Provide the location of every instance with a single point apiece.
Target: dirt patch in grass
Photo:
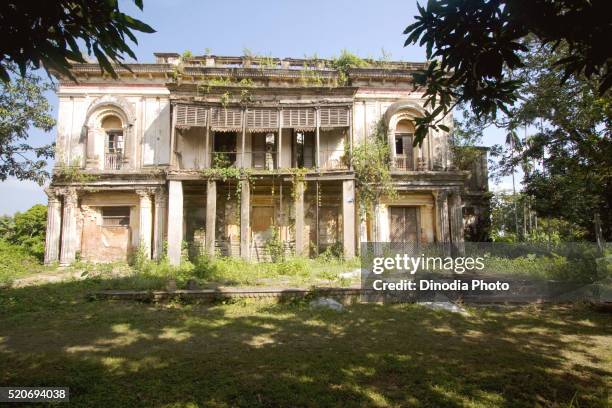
(265, 354)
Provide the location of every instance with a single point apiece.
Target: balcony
(112, 161)
(260, 160)
(406, 163)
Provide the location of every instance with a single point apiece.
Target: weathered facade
(228, 153)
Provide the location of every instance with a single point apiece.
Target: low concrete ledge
(224, 293)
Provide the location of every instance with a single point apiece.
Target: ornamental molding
(116, 104)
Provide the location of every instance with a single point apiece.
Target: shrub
(27, 230)
(15, 261)
(293, 267)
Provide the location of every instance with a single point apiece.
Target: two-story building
(228, 153)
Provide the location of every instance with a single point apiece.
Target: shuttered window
(334, 117)
(226, 119)
(262, 119)
(191, 116)
(299, 118)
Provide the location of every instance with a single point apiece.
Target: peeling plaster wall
(107, 244)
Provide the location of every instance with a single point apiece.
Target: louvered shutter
(262, 120)
(299, 118)
(191, 116)
(226, 119)
(309, 150)
(334, 116)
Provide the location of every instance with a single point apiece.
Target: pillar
(317, 133)
(245, 221)
(128, 146)
(442, 223)
(92, 160)
(175, 221)
(300, 249)
(211, 216)
(159, 224)
(69, 227)
(54, 225)
(145, 222)
(348, 218)
(456, 222)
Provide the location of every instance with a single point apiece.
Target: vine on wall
(371, 161)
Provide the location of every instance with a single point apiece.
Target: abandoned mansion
(224, 155)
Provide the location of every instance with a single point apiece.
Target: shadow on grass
(264, 354)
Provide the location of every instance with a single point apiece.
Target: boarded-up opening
(404, 224)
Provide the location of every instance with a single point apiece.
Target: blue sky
(280, 28)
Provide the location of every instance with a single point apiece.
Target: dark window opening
(224, 149)
(114, 149)
(115, 216)
(304, 149)
(404, 151)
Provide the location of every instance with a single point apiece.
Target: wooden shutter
(404, 224)
(408, 151)
(191, 116)
(308, 151)
(299, 118)
(334, 117)
(262, 119)
(226, 119)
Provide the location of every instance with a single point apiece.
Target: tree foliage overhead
(23, 105)
(47, 34)
(475, 45)
(566, 157)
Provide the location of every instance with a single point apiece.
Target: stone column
(348, 218)
(175, 221)
(245, 219)
(456, 222)
(159, 225)
(317, 137)
(442, 223)
(69, 227)
(145, 225)
(211, 216)
(54, 225)
(300, 249)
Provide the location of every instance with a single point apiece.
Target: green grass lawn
(266, 354)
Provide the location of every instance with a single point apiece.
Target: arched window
(404, 152)
(114, 142)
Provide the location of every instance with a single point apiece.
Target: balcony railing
(404, 162)
(266, 160)
(263, 160)
(112, 161)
